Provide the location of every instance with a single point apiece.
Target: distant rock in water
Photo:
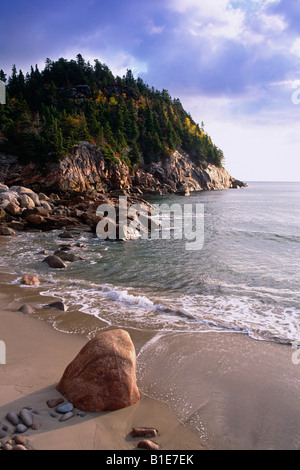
(102, 376)
(54, 262)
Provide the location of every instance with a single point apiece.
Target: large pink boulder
(102, 376)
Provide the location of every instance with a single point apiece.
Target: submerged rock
(102, 376)
(54, 262)
(71, 257)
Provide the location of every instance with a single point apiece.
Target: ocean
(245, 277)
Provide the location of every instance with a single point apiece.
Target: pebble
(53, 415)
(26, 309)
(2, 433)
(12, 418)
(19, 447)
(20, 440)
(67, 416)
(36, 426)
(53, 402)
(65, 408)
(26, 417)
(21, 428)
(148, 445)
(7, 446)
(144, 432)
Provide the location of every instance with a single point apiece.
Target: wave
(130, 308)
(265, 235)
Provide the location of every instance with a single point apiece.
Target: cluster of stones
(23, 209)
(22, 422)
(64, 409)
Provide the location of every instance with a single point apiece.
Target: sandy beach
(36, 356)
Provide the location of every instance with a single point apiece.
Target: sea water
(245, 278)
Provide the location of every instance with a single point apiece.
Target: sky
(234, 64)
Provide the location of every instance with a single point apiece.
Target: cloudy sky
(234, 64)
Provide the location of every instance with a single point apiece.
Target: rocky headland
(86, 170)
(66, 194)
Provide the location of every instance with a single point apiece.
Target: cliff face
(85, 169)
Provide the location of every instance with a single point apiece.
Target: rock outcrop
(102, 376)
(85, 170)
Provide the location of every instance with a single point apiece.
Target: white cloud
(154, 29)
(118, 62)
(295, 49)
(247, 22)
(214, 18)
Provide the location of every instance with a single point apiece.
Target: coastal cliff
(85, 170)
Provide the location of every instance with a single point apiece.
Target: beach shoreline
(36, 356)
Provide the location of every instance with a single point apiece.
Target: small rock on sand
(19, 447)
(65, 408)
(12, 418)
(26, 309)
(36, 426)
(21, 428)
(53, 402)
(148, 445)
(67, 416)
(144, 432)
(20, 440)
(26, 417)
(30, 281)
(2, 433)
(7, 446)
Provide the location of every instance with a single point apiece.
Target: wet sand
(236, 392)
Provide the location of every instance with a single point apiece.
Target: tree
(134, 154)
(2, 76)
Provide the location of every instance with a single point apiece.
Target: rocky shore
(21, 209)
(66, 194)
